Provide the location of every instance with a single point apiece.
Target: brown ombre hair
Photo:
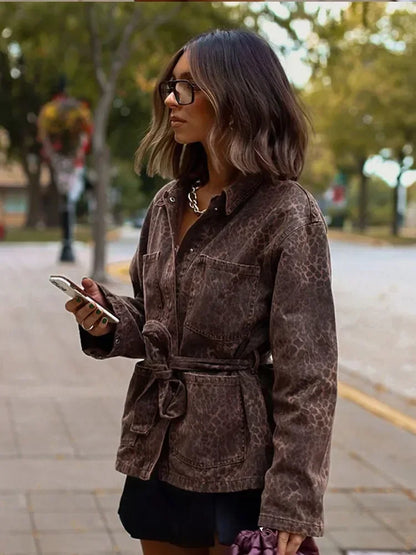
(259, 124)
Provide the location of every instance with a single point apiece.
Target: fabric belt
(171, 392)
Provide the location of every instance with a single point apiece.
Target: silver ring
(86, 329)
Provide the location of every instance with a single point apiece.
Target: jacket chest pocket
(153, 300)
(212, 432)
(222, 297)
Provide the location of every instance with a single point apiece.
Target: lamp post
(64, 130)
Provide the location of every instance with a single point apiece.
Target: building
(14, 193)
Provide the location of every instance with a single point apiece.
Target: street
(60, 410)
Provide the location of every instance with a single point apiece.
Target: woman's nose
(170, 100)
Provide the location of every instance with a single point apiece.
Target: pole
(67, 220)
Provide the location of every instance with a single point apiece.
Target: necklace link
(193, 199)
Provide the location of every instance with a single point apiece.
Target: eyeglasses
(182, 89)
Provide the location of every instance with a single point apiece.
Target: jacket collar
(233, 196)
(240, 191)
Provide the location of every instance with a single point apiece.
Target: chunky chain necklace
(193, 199)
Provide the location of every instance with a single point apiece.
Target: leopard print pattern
(252, 276)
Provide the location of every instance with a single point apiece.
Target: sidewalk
(59, 428)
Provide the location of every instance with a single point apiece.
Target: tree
(362, 88)
(113, 40)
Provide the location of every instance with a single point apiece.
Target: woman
(227, 421)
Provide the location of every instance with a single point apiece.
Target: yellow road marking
(377, 407)
(120, 270)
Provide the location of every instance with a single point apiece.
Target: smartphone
(73, 290)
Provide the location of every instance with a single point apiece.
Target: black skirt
(154, 510)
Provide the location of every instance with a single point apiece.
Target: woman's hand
(88, 316)
(288, 544)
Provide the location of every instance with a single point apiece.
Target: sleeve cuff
(292, 526)
(96, 347)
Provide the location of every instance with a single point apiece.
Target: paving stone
(378, 552)
(339, 501)
(348, 472)
(363, 436)
(39, 428)
(398, 520)
(113, 521)
(15, 522)
(339, 519)
(8, 440)
(108, 501)
(326, 544)
(62, 502)
(392, 501)
(92, 428)
(17, 544)
(76, 522)
(75, 543)
(126, 544)
(374, 538)
(55, 473)
(12, 503)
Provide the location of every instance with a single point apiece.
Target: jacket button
(191, 250)
(172, 199)
(117, 341)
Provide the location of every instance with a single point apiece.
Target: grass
(380, 235)
(23, 235)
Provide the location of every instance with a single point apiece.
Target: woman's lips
(176, 122)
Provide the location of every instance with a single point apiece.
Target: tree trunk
(101, 187)
(101, 158)
(51, 204)
(397, 218)
(31, 167)
(363, 199)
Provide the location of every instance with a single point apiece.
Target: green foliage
(362, 97)
(47, 40)
(129, 190)
(380, 203)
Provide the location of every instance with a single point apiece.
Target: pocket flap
(145, 409)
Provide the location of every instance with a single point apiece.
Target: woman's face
(190, 123)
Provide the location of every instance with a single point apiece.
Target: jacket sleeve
(127, 339)
(304, 349)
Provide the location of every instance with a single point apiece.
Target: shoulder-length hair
(259, 122)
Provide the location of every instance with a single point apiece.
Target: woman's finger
(91, 318)
(84, 312)
(74, 304)
(282, 541)
(101, 327)
(293, 545)
(93, 291)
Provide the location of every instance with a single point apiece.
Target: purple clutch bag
(264, 542)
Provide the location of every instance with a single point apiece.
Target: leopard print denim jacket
(236, 386)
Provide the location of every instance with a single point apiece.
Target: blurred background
(352, 63)
(76, 83)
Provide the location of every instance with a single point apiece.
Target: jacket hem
(191, 484)
(213, 485)
(290, 525)
(132, 470)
